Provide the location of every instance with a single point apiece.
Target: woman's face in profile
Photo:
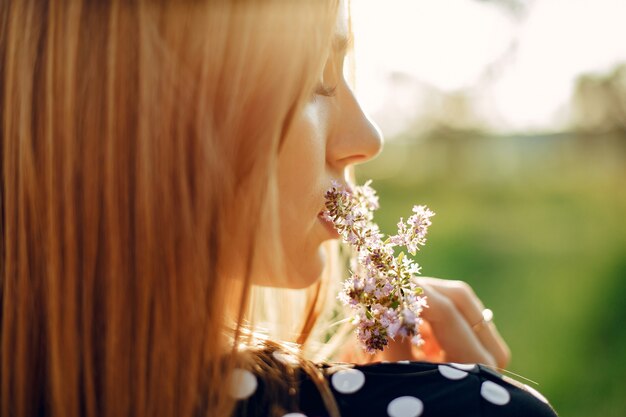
(331, 133)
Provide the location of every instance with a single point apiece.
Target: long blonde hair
(138, 142)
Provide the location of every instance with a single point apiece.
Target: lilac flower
(382, 291)
(412, 234)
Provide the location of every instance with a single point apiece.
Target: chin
(303, 269)
(307, 270)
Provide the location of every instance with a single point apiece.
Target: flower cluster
(381, 290)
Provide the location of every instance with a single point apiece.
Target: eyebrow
(342, 43)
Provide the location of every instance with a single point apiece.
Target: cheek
(301, 176)
(303, 154)
(304, 265)
(301, 169)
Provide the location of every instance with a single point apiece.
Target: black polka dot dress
(400, 389)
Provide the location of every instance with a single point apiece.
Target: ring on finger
(487, 318)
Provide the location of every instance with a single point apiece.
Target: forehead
(342, 36)
(341, 26)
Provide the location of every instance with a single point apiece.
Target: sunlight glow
(522, 66)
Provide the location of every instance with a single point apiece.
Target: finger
(452, 330)
(398, 350)
(431, 349)
(471, 308)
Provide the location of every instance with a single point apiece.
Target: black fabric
(383, 382)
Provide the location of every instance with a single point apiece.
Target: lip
(328, 225)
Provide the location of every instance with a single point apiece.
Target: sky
(525, 63)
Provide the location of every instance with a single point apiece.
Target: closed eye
(326, 91)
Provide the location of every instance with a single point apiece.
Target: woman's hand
(450, 329)
(451, 332)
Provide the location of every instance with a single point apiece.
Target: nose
(354, 138)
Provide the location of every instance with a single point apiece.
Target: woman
(163, 168)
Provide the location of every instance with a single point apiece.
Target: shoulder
(401, 389)
(411, 389)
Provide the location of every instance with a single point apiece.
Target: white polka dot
(285, 358)
(494, 393)
(242, 384)
(348, 381)
(405, 407)
(404, 362)
(536, 394)
(294, 415)
(464, 366)
(451, 373)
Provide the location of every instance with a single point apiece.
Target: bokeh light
(508, 119)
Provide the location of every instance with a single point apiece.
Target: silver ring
(487, 318)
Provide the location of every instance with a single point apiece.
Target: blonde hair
(138, 144)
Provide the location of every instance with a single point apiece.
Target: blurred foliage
(599, 101)
(536, 224)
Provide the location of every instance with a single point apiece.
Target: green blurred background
(536, 226)
(508, 119)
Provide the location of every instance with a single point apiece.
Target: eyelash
(324, 91)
